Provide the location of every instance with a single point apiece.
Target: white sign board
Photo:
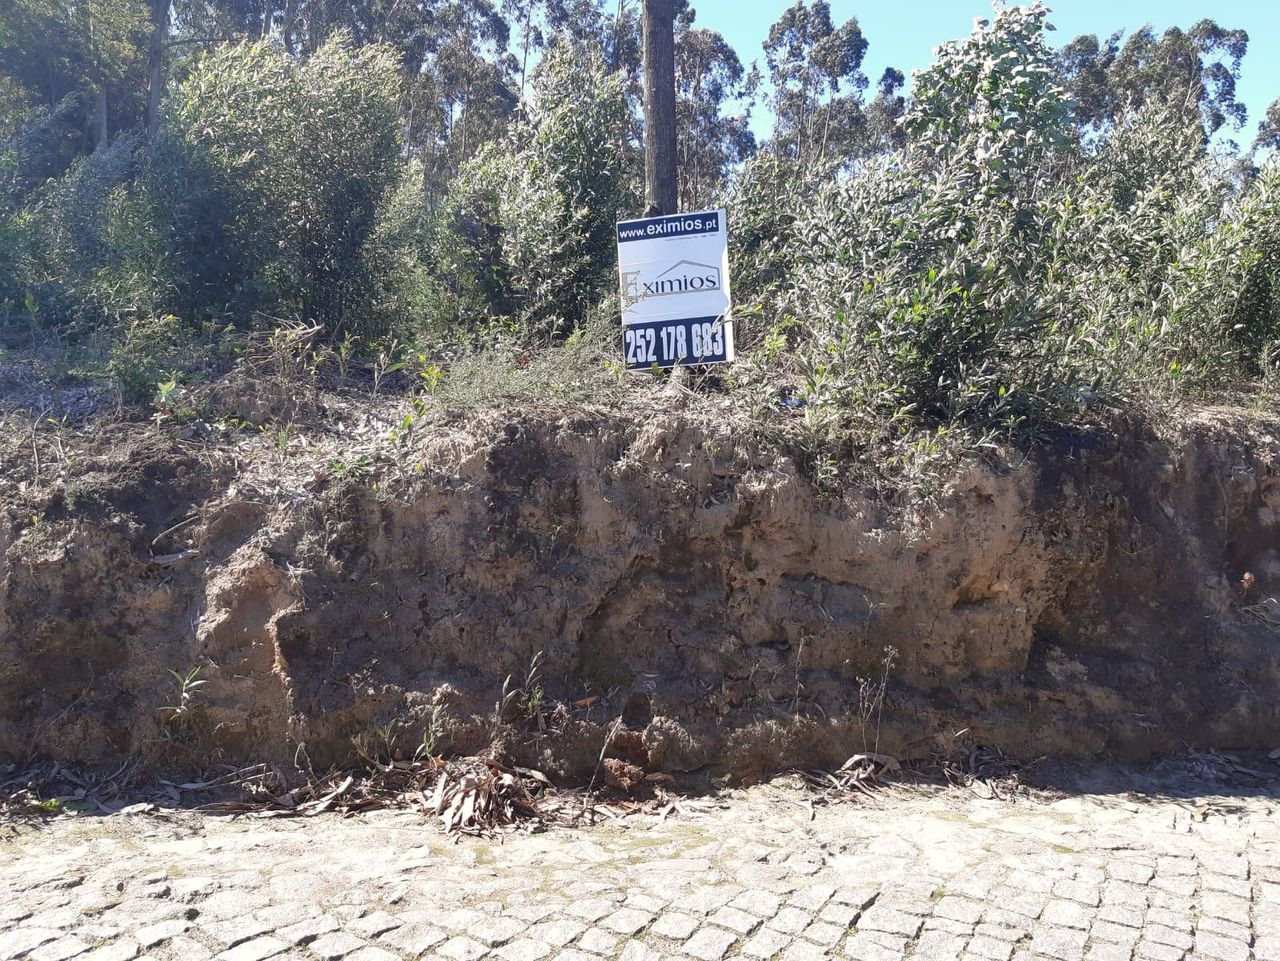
(674, 274)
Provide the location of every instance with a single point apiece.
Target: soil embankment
(1110, 594)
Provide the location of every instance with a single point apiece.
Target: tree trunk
(286, 25)
(524, 60)
(98, 120)
(617, 38)
(155, 61)
(100, 135)
(660, 106)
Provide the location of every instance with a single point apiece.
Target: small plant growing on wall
(187, 685)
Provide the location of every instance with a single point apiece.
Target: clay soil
(529, 576)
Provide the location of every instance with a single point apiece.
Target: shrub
(276, 173)
(526, 235)
(764, 202)
(997, 274)
(914, 281)
(90, 245)
(272, 190)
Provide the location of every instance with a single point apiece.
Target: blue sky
(903, 33)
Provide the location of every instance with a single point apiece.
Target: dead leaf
(316, 807)
(168, 560)
(885, 762)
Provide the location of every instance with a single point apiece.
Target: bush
(526, 235)
(764, 202)
(91, 252)
(273, 190)
(997, 274)
(914, 281)
(273, 175)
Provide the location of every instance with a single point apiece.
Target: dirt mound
(1112, 594)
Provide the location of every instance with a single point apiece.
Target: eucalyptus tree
(92, 55)
(1194, 69)
(1269, 127)
(818, 83)
(527, 20)
(711, 137)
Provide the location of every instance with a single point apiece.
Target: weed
(376, 744)
(36, 530)
(166, 392)
(343, 355)
(166, 401)
(522, 705)
(187, 685)
(280, 437)
(354, 469)
(386, 363)
(431, 735)
(798, 690)
(871, 694)
(429, 376)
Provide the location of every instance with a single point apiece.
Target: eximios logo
(686, 277)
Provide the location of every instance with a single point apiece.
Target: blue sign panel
(668, 343)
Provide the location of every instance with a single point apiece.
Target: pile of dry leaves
(473, 795)
(476, 796)
(988, 772)
(1220, 767)
(50, 789)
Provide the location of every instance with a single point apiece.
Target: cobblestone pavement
(938, 874)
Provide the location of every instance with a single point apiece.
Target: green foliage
(764, 202)
(584, 368)
(91, 249)
(992, 101)
(914, 280)
(996, 274)
(292, 165)
(1269, 128)
(78, 57)
(526, 236)
(148, 350)
(1034, 235)
(273, 191)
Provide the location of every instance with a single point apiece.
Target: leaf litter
(468, 796)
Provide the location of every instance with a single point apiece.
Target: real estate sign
(674, 274)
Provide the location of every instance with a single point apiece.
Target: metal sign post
(674, 274)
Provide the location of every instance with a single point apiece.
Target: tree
(461, 85)
(818, 83)
(271, 175)
(155, 61)
(527, 231)
(991, 105)
(526, 16)
(580, 24)
(1195, 69)
(710, 143)
(883, 128)
(1269, 128)
(91, 55)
